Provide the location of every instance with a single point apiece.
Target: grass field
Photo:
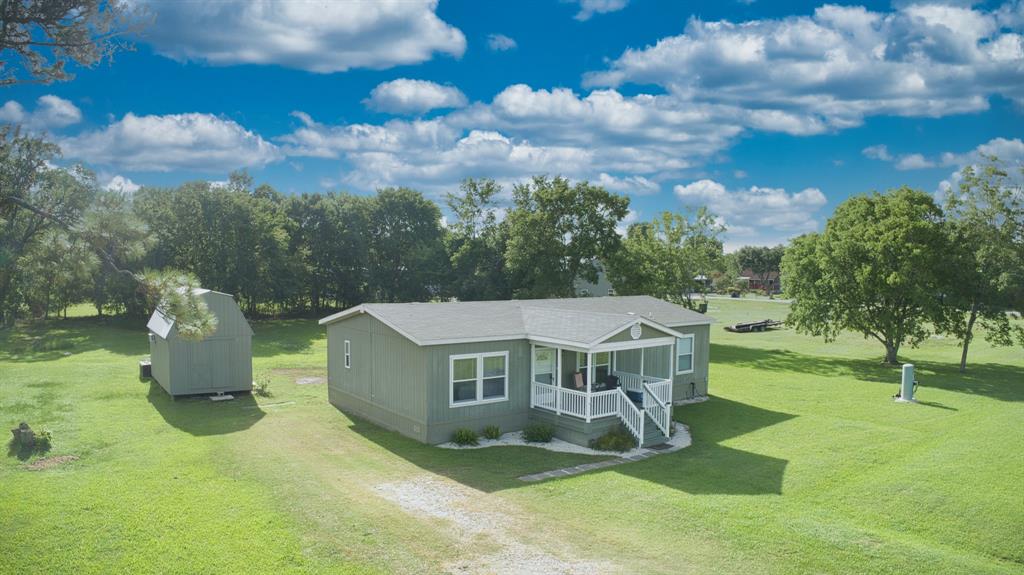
(801, 463)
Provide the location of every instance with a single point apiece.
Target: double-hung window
(348, 354)
(478, 378)
(602, 364)
(684, 354)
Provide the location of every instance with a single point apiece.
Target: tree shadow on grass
(998, 381)
(47, 340)
(284, 336)
(707, 467)
(703, 468)
(198, 415)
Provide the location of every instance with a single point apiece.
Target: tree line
(65, 240)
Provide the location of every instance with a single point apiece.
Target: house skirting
(574, 430)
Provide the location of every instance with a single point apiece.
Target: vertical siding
(386, 382)
(510, 415)
(701, 350)
(160, 359)
(220, 362)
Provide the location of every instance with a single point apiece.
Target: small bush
(538, 433)
(492, 432)
(44, 440)
(464, 436)
(617, 439)
(261, 386)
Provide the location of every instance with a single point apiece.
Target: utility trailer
(751, 326)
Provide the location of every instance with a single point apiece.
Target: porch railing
(662, 388)
(659, 411)
(563, 400)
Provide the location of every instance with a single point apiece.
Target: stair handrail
(637, 428)
(660, 412)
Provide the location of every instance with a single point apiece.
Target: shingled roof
(582, 321)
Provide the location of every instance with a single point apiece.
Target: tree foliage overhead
(36, 197)
(986, 261)
(43, 36)
(663, 257)
(556, 233)
(877, 269)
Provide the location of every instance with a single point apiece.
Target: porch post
(590, 379)
(558, 381)
(641, 364)
(533, 370)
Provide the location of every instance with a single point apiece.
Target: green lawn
(801, 463)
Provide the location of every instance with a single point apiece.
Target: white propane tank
(907, 385)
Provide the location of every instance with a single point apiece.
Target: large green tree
(762, 261)
(557, 231)
(406, 250)
(663, 257)
(111, 225)
(476, 241)
(877, 269)
(986, 263)
(34, 197)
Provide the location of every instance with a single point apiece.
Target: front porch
(630, 381)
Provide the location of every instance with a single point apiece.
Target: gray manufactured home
(221, 362)
(582, 365)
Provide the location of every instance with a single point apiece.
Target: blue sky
(771, 113)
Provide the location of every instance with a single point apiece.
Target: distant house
(221, 362)
(771, 283)
(583, 365)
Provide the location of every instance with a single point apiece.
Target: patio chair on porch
(577, 379)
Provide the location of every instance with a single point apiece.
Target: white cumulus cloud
(756, 214)
(50, 112)
(590, 7)
(500, 42)
(832, 69)
(201, 142)
(406, 96)
(119, 183)
(315, 36)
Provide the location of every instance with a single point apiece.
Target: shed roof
(162, 324)
(576, 320)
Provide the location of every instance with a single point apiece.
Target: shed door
(202, 366)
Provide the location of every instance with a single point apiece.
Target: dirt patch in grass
(50, 462)
(476, 514)
(301, 376)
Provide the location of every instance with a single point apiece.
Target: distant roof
(576, 320)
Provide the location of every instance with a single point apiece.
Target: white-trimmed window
(544, 365)
(684, 354)
(602, 363)
(348, 354)
(478, 378)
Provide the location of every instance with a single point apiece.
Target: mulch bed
(50, 462)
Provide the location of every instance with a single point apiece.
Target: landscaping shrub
(464, 436)
(261, 386)
(538, 433)
(617, 439)
(492, 432)
(26, 441)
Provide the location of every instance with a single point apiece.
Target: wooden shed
(221, 362)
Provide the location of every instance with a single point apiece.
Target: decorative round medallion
(635, 331)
